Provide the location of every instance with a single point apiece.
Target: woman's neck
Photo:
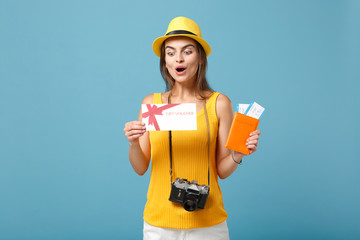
(182, 92)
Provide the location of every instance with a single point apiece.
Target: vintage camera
(190, 195)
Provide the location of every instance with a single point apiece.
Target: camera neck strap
(208, 143)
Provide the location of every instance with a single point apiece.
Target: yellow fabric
(190, 162)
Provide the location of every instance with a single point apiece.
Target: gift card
(165, 117)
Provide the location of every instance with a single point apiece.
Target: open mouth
(180, 69)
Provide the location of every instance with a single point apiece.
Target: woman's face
(181, 58)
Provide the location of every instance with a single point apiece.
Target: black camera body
(190, 195)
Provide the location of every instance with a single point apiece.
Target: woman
(195, 155)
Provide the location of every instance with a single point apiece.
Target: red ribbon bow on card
(154, 110)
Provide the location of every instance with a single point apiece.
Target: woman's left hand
(253, 140)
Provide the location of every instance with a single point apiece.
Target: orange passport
(240, 130)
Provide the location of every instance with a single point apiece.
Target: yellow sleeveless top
(190, 161)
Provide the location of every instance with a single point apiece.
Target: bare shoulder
(223, 99)
(223, 102)
(149, 99)
(223, 106)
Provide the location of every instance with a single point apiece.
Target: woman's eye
(188, 51)
(170, 53)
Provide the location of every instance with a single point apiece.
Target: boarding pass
(252, 110)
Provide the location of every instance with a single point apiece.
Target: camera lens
(190, 203)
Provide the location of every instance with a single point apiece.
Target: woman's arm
(139, 142)
(224, 157)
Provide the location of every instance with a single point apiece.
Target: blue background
(73, 72)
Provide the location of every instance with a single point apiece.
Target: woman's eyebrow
(189, 45)
(186, 46)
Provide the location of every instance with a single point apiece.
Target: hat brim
(158, 42)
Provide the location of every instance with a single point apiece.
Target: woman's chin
(184, 79)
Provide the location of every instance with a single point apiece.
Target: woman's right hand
(134, 130)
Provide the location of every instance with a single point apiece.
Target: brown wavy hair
(200, 80)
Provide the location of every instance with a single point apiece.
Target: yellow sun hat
(182, 26)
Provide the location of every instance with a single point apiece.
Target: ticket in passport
(252, 110)
(241, 108)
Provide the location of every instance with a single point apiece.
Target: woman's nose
(179, 58)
